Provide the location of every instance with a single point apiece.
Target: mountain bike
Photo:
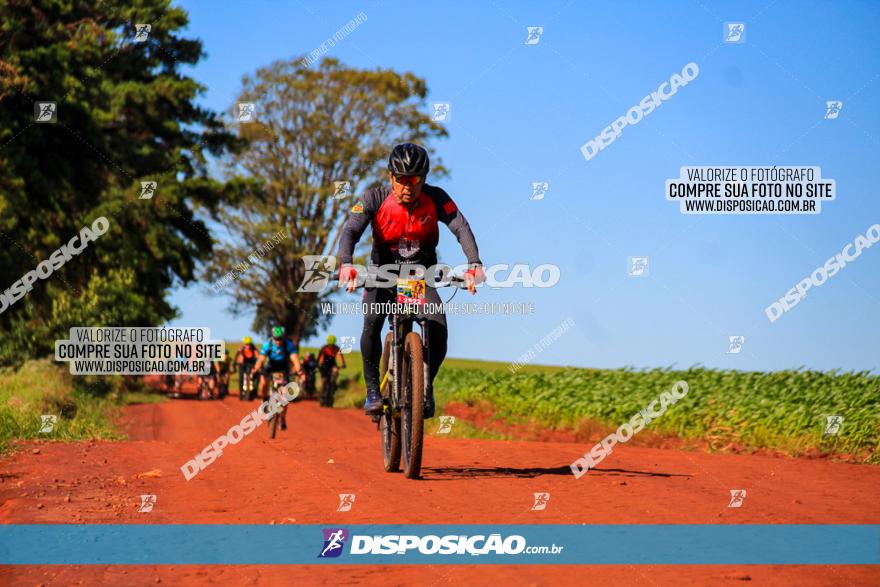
(404, 378)
(204, 389)
(247, 382)
(309, 389)
(328, 387)
(279, 380)
(222, 383)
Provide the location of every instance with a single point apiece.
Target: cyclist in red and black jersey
(327, 356)
(246, 357)
(330, 360)
(404, 215)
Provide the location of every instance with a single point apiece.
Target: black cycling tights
(371, 338)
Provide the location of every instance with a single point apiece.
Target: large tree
(312, 127)
(125, 114)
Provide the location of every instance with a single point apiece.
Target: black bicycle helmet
(409, 159)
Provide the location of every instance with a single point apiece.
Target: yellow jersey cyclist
(223, 368)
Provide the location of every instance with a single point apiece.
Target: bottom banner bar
(131, 544)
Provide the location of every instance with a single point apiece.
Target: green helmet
(278, 332)
(331, 339)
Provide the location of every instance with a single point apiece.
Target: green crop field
(780, 410)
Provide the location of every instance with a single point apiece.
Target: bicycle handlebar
(453, 281)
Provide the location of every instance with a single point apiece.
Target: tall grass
(85, 406)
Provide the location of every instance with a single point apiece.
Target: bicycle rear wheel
(273, 425)
(273, 420)
(326, 395)
(412, 415)
(389, 425)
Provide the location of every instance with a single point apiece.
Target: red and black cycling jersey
(327, 355)
(248, 353)
(392, 221)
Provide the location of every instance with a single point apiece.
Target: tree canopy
(125, 114)
(312, 128)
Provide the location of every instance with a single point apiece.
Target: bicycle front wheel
(273, 423)
(412, 415)
(389, 423)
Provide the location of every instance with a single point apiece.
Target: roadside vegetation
(85, 407)
(783, 411)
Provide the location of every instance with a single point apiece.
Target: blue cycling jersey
(278, 352)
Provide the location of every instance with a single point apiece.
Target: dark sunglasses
(407, 179)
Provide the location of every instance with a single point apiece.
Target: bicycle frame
(247, 380)
(402, 418)
(279, 380)
(401, 325)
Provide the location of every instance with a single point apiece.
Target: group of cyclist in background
(255, 366)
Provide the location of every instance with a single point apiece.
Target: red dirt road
(297, 479)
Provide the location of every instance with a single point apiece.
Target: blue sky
(520, 114)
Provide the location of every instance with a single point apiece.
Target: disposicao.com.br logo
(452, 544)
(320, 268)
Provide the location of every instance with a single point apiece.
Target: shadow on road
(628, 473)
(450, 473)
(456, 473)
